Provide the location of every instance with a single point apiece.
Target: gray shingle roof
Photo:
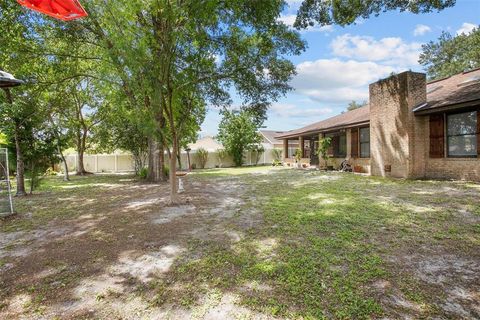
(350, 118)
(458, 89)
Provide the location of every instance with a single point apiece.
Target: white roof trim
(420, 107)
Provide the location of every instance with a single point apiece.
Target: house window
(461, 134)
(338, 145)
(342, 145)
(365, 142)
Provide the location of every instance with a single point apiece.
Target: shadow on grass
(329, 246)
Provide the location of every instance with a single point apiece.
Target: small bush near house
(222, 155)
(323, 149)
(257, 151)
(276, 163)
(277, 154)
(202, 157)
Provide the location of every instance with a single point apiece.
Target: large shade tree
(18, 106)
(187, 53)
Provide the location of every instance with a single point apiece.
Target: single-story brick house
(409, 129)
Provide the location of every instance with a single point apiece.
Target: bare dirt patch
(262, 244)
(103, 262)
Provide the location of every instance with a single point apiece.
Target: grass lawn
(247, 243)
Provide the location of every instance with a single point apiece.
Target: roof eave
(421, 110)
(347, 126)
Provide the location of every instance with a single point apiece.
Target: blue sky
(340, 62)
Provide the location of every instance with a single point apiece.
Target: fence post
(116, 161)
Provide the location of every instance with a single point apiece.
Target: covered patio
(350, 139)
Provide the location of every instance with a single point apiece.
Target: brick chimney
(397, 136)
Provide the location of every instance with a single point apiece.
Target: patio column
(348, 133)
(285, 148)
(302, 146)
(320, 156)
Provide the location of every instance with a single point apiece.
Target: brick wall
(449, 168)
(396, 145)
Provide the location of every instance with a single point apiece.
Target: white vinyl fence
(102, 162)
(118, 163)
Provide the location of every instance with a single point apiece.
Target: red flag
(60, 9)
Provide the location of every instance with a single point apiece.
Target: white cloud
(294, 3)
(334, 80)
(392, 50)
(287, 110)
(421, 29)
(289, 20)
(466, 28)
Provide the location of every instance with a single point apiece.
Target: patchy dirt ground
(247, 244)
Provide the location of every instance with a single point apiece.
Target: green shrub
(257, 151)
(298, 154)
(143, 173)
(324, 145)
(35, 179)
(222, 155)
(202, 157)
(277, 154)
(50, 172)
(276, 163)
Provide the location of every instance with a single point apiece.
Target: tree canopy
(238, 132)
(451, 54)
(325, 12)
(355, 105)
(148, 69)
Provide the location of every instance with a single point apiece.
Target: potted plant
(323, 146)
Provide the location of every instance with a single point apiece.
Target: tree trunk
(179, 158)
(80, 167)
(188, 161)
(173, 174)
(66, 176)
(81, 142)
(33, 177)
(20, 164)
(153, 161)
(161, 162)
